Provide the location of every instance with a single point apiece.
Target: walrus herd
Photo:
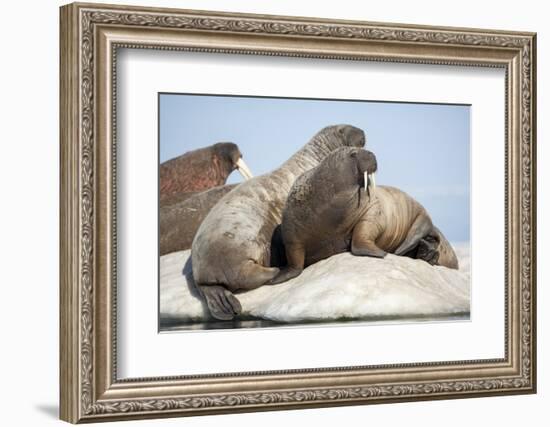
(266, 230)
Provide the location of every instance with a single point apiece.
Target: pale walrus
(199, 170)
(179, 222)
(232, 248)
(336, 207)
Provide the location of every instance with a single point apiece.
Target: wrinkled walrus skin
(231, 250)
(198, 170)
(179, 222)
(330, 210)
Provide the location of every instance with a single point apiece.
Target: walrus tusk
(243, 169)
(369, 181)
(372, 180)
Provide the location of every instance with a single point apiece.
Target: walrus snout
(367, 165)
(366, 161)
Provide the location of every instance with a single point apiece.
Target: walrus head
(353, 136)
(350, 169)
(331, 138)
(231, 158)
(354, 167)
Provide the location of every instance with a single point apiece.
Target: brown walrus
(336, 207)
(199, 170)
(232, 248)
(180, 197)
(179, 222)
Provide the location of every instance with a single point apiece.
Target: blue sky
(423, 149)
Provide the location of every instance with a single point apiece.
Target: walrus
(199, 170)
(179, 222)
(180, 197)
(231, 250)
(336, 207)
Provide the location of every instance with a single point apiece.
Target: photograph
(300, 211)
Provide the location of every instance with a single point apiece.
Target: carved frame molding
(90, 36)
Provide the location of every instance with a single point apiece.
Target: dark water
(175, 325)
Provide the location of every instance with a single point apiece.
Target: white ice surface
(343, 286)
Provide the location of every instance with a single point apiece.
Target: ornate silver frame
(90, 36)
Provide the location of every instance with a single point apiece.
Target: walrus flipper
(427, 250)
(285, 275)
(364, 237)
(223, 305)
(446, 254)
(366, 248)
(254, 275)
(295, 255)
(421, 227)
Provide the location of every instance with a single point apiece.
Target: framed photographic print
(266, 212)
(325, 222)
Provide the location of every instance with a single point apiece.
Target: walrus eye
(353, 154)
